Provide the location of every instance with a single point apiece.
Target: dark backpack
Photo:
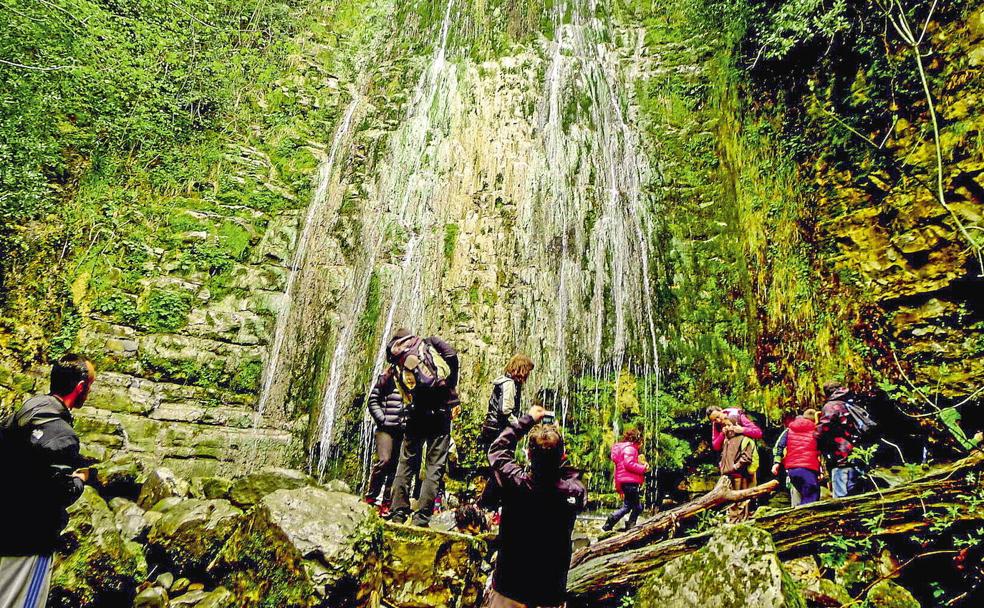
(863, 421)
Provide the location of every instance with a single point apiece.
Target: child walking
(630, 474)
(739, 461)
(798, 454)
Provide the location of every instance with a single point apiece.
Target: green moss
(450, 241)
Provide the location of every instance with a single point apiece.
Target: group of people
(413, 403)
(812, 443)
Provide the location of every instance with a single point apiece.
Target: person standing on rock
(630, 475)
(539, 507)
(796, 450)
(390, 416)
(41, 451)
(836, 435)
(426, 375)
(505, 405)
(722, 420)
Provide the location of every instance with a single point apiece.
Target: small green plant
(164, 311)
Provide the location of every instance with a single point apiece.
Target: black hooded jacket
(386, 404)
(41, 450)
(537, 522)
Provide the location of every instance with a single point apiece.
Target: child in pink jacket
(630, 474)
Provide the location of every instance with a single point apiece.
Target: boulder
(248, 490)
(97, 567)
(304, 547)
(426, 567)
(886, 594)
(338, 485)
(738, 567)
(130, 519)
(189, 535)
(189, 599)
(161, 484)
(121, 475)
(219, 598)
(211, 487)
(152, 597)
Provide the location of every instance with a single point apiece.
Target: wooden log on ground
(903, 510)
(650, 530)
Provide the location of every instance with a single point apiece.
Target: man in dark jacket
(539, 508)
(389, 413)
(41, 451)
(836, 435)
(426, 374)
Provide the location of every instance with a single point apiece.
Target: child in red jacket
(630, 474)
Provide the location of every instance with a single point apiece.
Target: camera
(549, 418)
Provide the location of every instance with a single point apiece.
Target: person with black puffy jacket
(389, 413)
(43, 480)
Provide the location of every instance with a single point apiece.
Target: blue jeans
(843, 480)
(631, 503)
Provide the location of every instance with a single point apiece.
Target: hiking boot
(399, 517)
(496, 519)
(384, 510)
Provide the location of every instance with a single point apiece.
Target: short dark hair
(632, 435)
(546, 451)
(468, 514)
(711, 409)
(67, 372)
(830, 386)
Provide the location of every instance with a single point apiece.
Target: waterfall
(316, 209)
(594, 220)
(405, 204)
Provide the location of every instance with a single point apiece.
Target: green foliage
(797, 22)
(164, 311)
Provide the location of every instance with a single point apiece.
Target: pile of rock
(272, 538)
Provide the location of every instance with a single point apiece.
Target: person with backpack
(539, 508)
(630, 475)
(388, 412)
(721, 419)
(505, 405)
(796, 450)
(41, 451)
(739, 461)
(841, 425)
(426, 374)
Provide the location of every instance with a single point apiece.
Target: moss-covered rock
(96, 567)
(248, 490)
(161, 484)
(211, 487)
(189, 536)
(425, 567)
(886, 594)
(737, 568)
(304, 547)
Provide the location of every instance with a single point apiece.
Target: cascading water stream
(326, 172)
(405, 203)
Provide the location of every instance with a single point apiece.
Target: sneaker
(369, 500)
(399, 517)
(496, 518)
(384, 511)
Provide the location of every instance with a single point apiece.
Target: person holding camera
(41, 450)
(539, 507)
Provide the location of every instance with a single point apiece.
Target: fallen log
(900, 511)
(648, 531)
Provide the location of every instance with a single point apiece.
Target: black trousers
(388, 443)
(631, 503)
(411, 453)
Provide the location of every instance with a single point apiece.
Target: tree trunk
(903, 510)
(646, 532)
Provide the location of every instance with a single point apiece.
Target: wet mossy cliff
(227, 205)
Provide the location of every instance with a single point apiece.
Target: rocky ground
(278, 538)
